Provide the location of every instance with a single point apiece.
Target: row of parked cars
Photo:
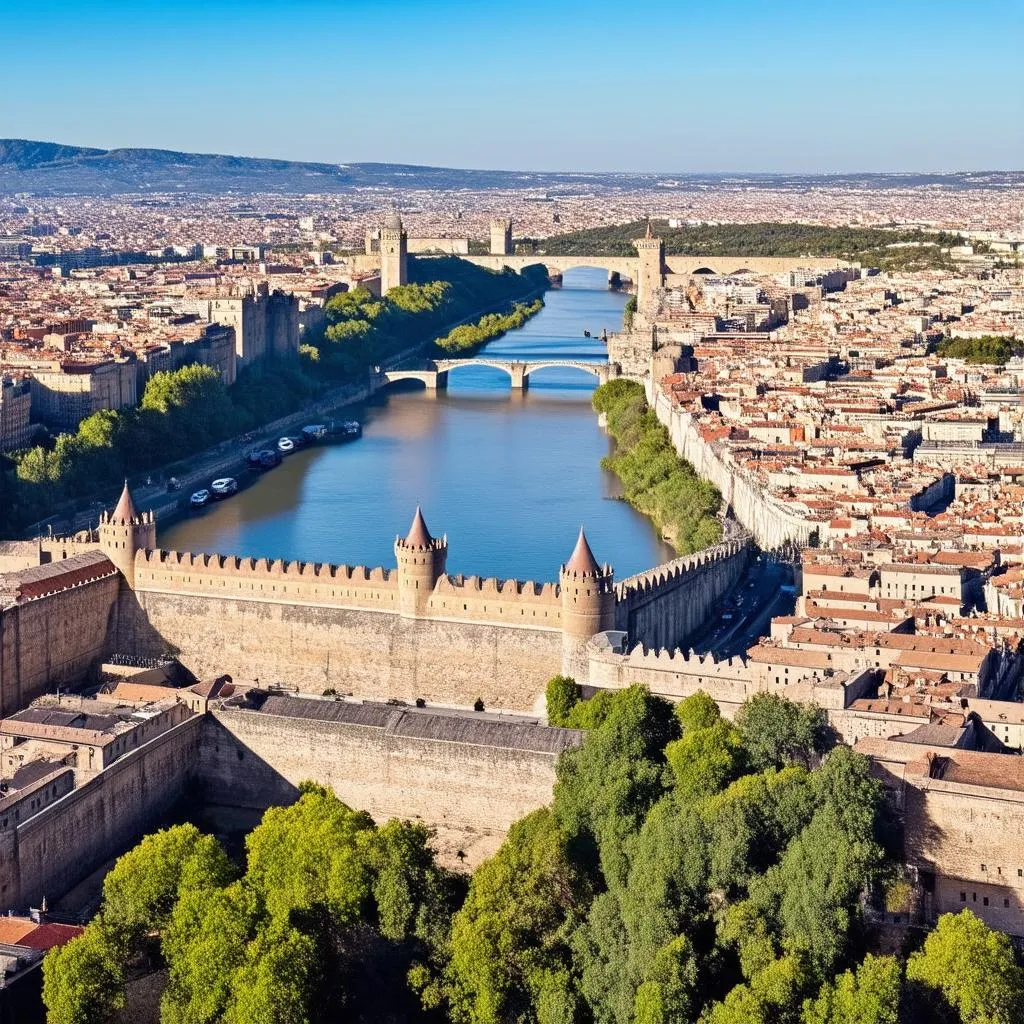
(262, 459)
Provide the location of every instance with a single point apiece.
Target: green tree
(869, 995)
(698, 711)
(777, 731)
(561, 696)
(83, 981)
(705, 760)
(141, 889)
(966, 965)
(510, 933)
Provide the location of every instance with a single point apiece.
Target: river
(510, 477)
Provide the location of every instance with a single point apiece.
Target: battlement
(266, 579)
(670, 572)
(678, 660)
(507, 602)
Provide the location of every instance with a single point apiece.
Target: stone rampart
(48, 854)
(674, 674)
(665, 606)
(376, 655)
(767, 519)
(56, 639)
(470, 777)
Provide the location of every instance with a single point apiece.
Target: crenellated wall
(665, 606)
(56, 639)
(673, 674)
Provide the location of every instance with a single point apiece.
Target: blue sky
(558, 85)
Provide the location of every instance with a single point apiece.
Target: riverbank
(467, 339)
(227, 458)
(655, 480)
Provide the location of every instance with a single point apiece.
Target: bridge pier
(517, 373)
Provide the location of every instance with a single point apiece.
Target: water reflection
(509, 475)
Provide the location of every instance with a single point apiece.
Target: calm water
(509, 477)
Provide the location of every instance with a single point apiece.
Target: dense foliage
(187, 410)
(989, 349)
(897, 250)
(655, 480)
(465, 338)
(329, 917)
(688, 871)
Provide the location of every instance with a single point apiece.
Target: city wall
(469, 778)
(332, 627)
(54, 640)
(51, 852)
(665, 606)
(769, 521)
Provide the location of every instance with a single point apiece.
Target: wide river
(510, 477)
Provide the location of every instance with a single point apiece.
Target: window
(963, 897)
(984, 900)
(982, 867)
(1006, 903)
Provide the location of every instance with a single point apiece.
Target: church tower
(421, 561)
(649, 277)
(394, 254)
(123, 532)
(588, 606)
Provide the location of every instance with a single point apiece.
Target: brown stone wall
(972, 838)
(469, 791)
(373, 655)
(53, 641)
(50, 853)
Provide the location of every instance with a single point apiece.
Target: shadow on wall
(231, 774)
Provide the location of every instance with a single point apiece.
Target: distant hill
(48, 168)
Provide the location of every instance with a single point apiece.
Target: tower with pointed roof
(124, 532)
(421, 562)
(588, 605)
(394, 254)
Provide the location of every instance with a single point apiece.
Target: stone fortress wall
(54, 630)
(665, 606)
(469, 778)
(48, 854)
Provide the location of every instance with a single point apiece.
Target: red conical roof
(418, 535)
(125, 510)
(582, 561)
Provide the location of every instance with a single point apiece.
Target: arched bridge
(435, 374)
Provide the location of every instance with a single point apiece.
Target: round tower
(123, 532)
(421, 561)
(588, 606)
(650, 276)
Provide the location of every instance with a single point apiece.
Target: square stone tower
(649, 278)
(501, 237)
(394, 254)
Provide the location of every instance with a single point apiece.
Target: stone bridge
(628, 267)
(435, 375)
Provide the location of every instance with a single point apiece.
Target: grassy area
(655, 480)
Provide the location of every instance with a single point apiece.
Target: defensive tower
(394, 254)
(649, 277)
(588, 605)
(501, 236)
(123, 532)
(421, 561)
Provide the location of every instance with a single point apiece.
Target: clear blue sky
(559, 85)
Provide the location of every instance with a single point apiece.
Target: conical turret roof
(125, 510)
(418, 535)
(582, 560)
